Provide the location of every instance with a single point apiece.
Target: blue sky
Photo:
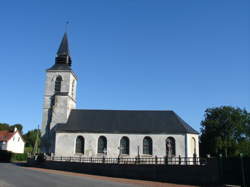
(177, 55)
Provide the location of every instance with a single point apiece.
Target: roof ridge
(122, 110)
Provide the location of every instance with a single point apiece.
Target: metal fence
(137, 160)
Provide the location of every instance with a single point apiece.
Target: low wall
(191, 174)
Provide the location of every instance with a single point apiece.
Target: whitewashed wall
(65, 144)
(15, 144)
(192, 144)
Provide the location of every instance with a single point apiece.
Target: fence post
(103, 159)
(242, 170)
(166, 160)
(194, 158)
(156, 159)
(118, 160)
(179, 159)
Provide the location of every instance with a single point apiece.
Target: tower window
(58, 84)
(72, 89)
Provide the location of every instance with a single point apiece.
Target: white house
(11, 141)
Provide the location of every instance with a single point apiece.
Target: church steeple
(63, 59)
(64, 47)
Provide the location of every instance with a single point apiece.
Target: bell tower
(59, 97)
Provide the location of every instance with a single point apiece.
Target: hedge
(6, 156)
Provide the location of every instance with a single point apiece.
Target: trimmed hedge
(6, 156)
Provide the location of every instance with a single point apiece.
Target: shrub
(19, 157)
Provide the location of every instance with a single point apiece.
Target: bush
(19, 157)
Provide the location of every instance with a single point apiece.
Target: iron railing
(136, 160)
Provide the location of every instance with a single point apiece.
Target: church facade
(67, 131)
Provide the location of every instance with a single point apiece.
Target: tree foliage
(5, 126)
(31, 137)
(225, 130)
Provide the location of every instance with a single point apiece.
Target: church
(67, 131)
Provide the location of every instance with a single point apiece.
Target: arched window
(124, 145)
(80, 144)
(147, 146)
(58, 84)
(102, 144)
(193, 147)
(170, 146)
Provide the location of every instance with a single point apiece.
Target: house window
(170, 146)
(102, 144)
(147, 146)
(124, 145)
(58, 84)
(80, 144)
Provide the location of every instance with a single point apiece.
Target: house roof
(125, 121)
(6, 135)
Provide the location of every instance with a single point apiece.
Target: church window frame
(80, 145)
(147, 146)
(102, 145)
(124, 145)
(58, 84)
(171, 142)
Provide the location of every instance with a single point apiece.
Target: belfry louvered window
(147, 146)
(124, 145)
(80, 144)
(58, 83)
(102, 145)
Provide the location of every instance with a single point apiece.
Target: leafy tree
(5, 126)
(18, 126)
(31, 138)
(225, 130)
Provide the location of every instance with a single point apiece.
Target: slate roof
(60, 67)
(64, 46)
(125, 121)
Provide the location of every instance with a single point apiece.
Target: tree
(5, 126)
(18, 126)
(225, 130)
(32, 138)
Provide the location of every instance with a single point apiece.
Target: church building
(67, 131)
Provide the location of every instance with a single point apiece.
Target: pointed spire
(64, 47)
